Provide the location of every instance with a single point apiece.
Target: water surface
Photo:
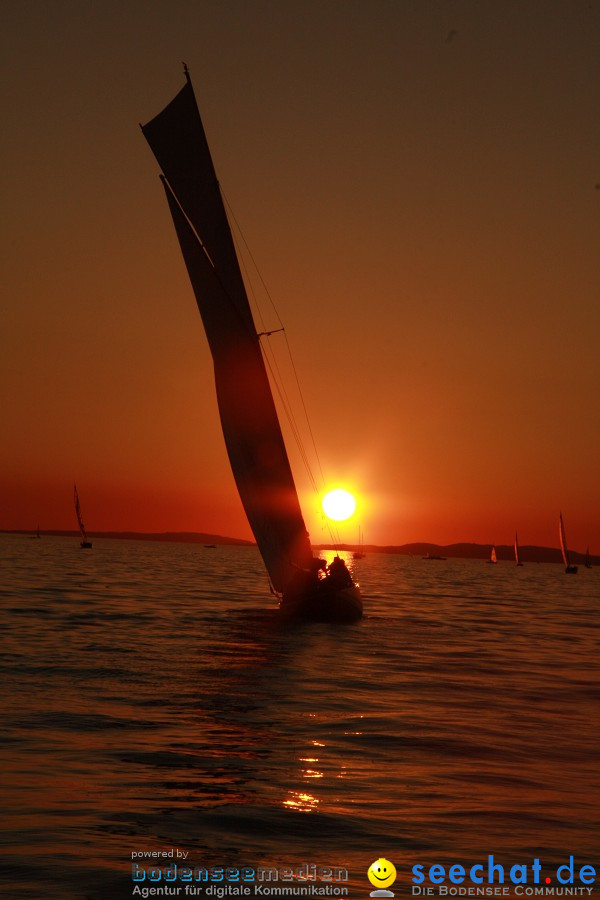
(152, 699)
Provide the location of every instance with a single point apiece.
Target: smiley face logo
(382, 873)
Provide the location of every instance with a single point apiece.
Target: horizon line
(225, 540)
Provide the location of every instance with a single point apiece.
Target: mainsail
(78, 513)
(248, 416)
(517, 559)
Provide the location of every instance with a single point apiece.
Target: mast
(247, 410)
(570, 569)
(517, 560)
(563, 541)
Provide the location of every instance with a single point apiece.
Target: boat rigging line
(273, 367)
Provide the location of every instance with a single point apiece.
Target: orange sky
(419, 184)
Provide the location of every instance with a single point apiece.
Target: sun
(338, 505)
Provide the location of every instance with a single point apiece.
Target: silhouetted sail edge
(177, 140)
(249, 419)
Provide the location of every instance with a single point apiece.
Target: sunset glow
(437, 279)
(299, 385)
(339, 505)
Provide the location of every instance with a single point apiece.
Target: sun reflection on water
(346, 555)
(301, 801)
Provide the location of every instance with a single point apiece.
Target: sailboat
(493, 558)
(360, 553)
(588, 564)
(84, 539)
(249, 420)
(517, 557)
(570, 569)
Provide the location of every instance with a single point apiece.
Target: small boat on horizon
(434, 556)
(249, 420)
(570, 569)
(587, 563)
(517, 556)
(359, 553)
(85, 543)
(493, 558)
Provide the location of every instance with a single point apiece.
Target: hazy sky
(419, 182)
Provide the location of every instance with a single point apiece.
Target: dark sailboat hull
(324, 603)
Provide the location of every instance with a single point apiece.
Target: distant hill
(180, 537)
(527, 553)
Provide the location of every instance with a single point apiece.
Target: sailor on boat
(317, 565)
(322, 593)
(339, 574)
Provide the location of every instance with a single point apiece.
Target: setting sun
(338, 505)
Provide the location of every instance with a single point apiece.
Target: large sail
(78, 514)
(563, 541)
(248, 416)
(176, 137)
(517, 559)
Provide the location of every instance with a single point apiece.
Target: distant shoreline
(504, 552)
(174, 537)
(531, 554)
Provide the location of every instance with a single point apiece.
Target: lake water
(153, 701)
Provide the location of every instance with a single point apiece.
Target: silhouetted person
(338, 572)
(316, 565)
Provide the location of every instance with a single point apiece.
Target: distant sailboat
(570, 569)
(84, 539)
(493, 558)
(588, 564)
(359, 553)
(251, 428)
(37, 533)
(517, 557)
